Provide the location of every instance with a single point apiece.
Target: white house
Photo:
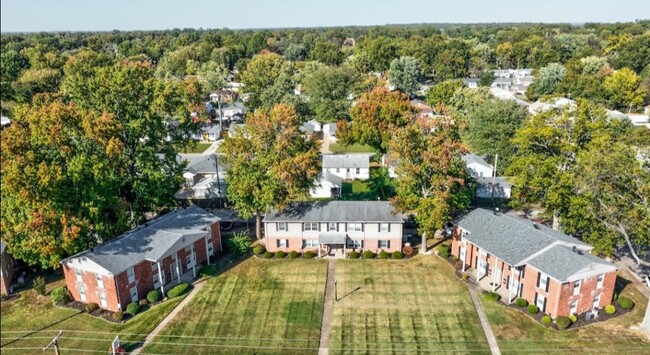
(543, 106)
(209, 132)
(329, 129)
(327, 185)
(478, 166)
(317, 126)
(497, 187)
(471, 83)
(503, 83)
(501, 73)
(347, 166)
(204, 179)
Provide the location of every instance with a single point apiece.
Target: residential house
(489, 185)
(349, 42)
(329, 129)
(422, 109)
(471, 83)
(334, 227)
(208, 132)
(4, 121)
(556, 103)
(233, 111)
(307, 129)
(327, 185)
(503, 94)
(501, 73)
(521, 73)
(156, 255)
(502, 83)
(204, 179)
(517, 257)
(478, 166)
(317, 126)
(347, 166)
(6, 270)
(223, 95)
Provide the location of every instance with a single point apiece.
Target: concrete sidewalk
(492, 341)
(323, 348)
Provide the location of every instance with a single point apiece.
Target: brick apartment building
(331, 227)
(517, 257)
(156, 255)
(6, 270)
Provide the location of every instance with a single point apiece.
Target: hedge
(309, 255)
(259, 249)
(546, 320)
(520, 302)
(178, 290)
(293, 254)
(398, 255)
(563, 322)
(153, 296)
(610, 309)
(133, 308)
(492, 296)
(268, 255)
(443, 250)
(368, 254)
(60, 295)
(280, 254)
(353, 255)
(625, 302)
(118, 316)
(90, 307)
(532, 309)
(208, 270)
(383, 255)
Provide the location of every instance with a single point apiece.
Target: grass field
(31, 321)
(352, 148)
(357, 191)
(414, 306)
(516, 333)
(194, 148)
(258, 306)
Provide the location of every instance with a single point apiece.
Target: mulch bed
(582, 319)
(102, 313)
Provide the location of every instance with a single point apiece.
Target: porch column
(344, 251)
(464, 249)
(319, 249)
(206, 251)
(193, 258)
(178, 269)
(160, 279)
(510, 283)
(479, 266)
(494, 274)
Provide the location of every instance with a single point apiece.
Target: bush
(178, 290)
(143, 302)
(383, 255)
(259, 249)
(309, 255)
(573, 318)
(610, 309)
(133, 308)
(408, 251)
(353, 255)
(39, 285)
(546, 320)
(563, 322)
(239, 244)
(268, 255)
(398, 255)
(443, 250)
(368, 254)
(208, 270)
(520, 302)
(91, 307)
(154, 296)
(532, 309)
(60, 295)
(118, 316)
(293, 254)
(625, 302)
(492, 296)
(280, 254)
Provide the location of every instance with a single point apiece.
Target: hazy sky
(104, 15)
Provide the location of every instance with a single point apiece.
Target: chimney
(535, 225)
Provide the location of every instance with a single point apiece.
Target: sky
(124, 15)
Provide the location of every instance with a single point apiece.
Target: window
(354, 227)
(542, 282)
(100, 280)
(576, 287)
(282, 243)
(384, 244)
(210, 248)
(82, 294)
(601, 278)
(355, 244)
(541, 302)
(310, 226)
(597, 301)
(358, 171)
(310, 243)
(102, 300)
(574, 308)
(156, 280)
(338, 170)
(384, 227)
(131, 274)
(77, 273)
(281, 226)
(134, 294)
(332, 227)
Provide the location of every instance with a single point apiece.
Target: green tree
(486, 78)
(270, 163)
(295, 52)
(633, 53)
(326, 52)
(405, 73)
(442, 93)
(36, 81)
(328, 89)
(624, 90)
(452, 61)
(268, 78)
(381, 183)
(548, 79)
(379, 52)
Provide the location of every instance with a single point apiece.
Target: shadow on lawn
(42, 329)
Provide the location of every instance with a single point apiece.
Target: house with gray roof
(334, 227)
(205, 178)
(348, 166)
(154, 256)
(520, 258)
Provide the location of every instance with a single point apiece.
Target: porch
(335, 244)
(489, 282)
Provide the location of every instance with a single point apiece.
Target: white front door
(597, 301)
(514, 285)
(134, 294)
(497, 276)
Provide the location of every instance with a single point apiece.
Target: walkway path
(638, 283)
(154, 333)
(325, 144)
(212, 148)
(325, 326)
(492, 341)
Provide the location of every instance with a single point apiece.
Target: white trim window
(156, 280)
(597, 301)
(573, 307)
(281, 226)
(100, 280)
(576, 287)
(354, 227)
(282, 243)
(77, 273)
(82, 294)
(384, 227)
(102, 300)
(355, 244)
(310, 226)
(332, 227)
(310, 243)
(134, 294)
(601, 279)
(384, 244)
(542, 282)
(130, 273)
(541, 302)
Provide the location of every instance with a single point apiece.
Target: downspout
(117, 289)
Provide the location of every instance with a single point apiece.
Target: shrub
(208, 270)
(60, 295)
(398, 255)
(353, 255)
(240, 243)
(153, 296)
(492, 296)
(309, 255)
(625, 302)
(268, 255)
(133, 308)
(259, 249)
(368, 254)
(563, 322)
(443, 250)
(546, 320)
(532, 309)
(610, 309)
(91, 307)
(383, 255)
(280, 254)
(293, 254)
(118, 316)
(520, 302)
(178, 290)
(573, 318)
(143, 302)
(39, 285)
(408, 251)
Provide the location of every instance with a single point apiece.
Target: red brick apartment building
(517, 257)
(156, 255)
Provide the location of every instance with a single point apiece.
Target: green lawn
(194, 148)
(412, 306)
(29, 323)
(352, 148)
(357, 191)
(518, 334)
(272, 306)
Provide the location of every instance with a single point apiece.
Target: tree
(452, 61)
(375, 117)
(268, 79)
(381, 183)
(431, 176)
(36, 81)
(379, 53)
(633, 53)
(548, 79)
(328, 89)
(624, 90)
(405, 73)
(486, 78)
(270, 163)
(326, 52)
(442, 93)
(295, 52)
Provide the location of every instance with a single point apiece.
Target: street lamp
(336, 294)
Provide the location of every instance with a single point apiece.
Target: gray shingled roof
(332, 238)
(205, 164)
(473, 158)
(346, 161)
(151, 241)
(499, 180)
(510, 238)
(561, 263)
(336, 211)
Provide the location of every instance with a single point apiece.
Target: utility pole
(336, 293)
(216, 167)
(55, 343)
